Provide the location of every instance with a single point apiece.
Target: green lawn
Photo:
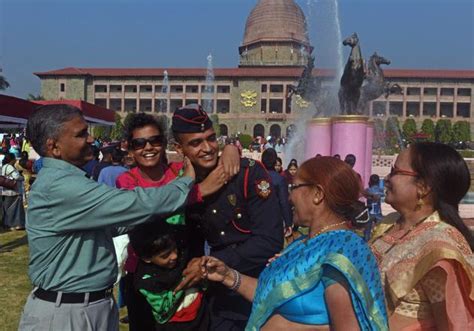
(14, 281)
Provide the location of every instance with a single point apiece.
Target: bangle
(237, 280)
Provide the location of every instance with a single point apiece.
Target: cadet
(241, 222)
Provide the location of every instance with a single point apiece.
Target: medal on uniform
(232, 199)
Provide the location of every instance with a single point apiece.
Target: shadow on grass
(8, 247)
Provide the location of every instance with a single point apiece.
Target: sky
(43, 35)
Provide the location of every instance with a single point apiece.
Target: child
(374, 196)
(163, 257)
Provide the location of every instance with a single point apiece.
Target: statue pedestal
(348, 134)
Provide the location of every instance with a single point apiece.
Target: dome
(275, 20)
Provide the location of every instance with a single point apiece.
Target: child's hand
(191, 275)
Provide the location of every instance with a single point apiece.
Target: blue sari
(293, 285)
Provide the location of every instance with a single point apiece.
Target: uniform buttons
(222, 233)
(239, 215)
(214, 211)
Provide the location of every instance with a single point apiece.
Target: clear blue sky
(41, 35)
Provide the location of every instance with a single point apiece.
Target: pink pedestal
(350, 134)
(318, 137)
(368, 152)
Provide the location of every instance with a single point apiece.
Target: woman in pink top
(147, 143)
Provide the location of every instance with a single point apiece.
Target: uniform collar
(49, 162)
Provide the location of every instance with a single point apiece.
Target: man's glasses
(140, 143)
(397, 171)
(292, 187)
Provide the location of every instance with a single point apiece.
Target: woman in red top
(147, 143)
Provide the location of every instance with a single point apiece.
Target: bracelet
(237, 280)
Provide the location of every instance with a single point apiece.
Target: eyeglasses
(397, 171)
(155, 141)
(292, 187)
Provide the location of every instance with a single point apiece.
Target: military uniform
(242, 225)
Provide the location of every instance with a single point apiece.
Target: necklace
(396, 241)
(326, 228)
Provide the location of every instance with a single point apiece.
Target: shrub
(409, 129)
(443, 131)
(245, 140)
(428, 128)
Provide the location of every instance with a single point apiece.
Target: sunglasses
(140, 143)
(292, 187)
(397, 171)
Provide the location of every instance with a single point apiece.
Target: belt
(52, 296)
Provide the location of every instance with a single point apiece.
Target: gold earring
(419, 203)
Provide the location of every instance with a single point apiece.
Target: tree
(461, 132)
(3, 83)
(99, 132)
(117, 129)
(393, 139)
(409, 129)
(127, 119)
(443, 131)
(33, 97)
(428, 128)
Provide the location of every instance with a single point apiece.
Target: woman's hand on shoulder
(188, 169)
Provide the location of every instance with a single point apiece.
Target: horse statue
(308, 87)
(352, 78)
(374, 84)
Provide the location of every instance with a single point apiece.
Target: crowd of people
(220, 242)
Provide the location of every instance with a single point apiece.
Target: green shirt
(71, 220)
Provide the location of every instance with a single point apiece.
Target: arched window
(258, 130)
(224, 130)
(275, 131)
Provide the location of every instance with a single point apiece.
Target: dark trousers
(140, 316)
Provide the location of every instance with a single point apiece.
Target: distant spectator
(374, 196)
(279, 166)
(12, 199)
(290, 171)
(109, 174)
(269, 159)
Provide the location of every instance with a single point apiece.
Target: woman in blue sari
(326, 280)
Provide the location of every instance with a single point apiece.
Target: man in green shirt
(70, 224)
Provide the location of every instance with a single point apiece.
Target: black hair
(46, 123)
(350, 159)
(117, 155)
(280, 160)
(269, 158)
(374, 180)
(152, 238)
(444, 170)
(9, 157)
(140, 120)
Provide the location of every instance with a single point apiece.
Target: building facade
(253, 98)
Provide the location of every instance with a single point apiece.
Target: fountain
(208, 93)
(339, 122)
(164, 92)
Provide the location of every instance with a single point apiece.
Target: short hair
(341, 185)
(9, 157)
(350, 159)
(46, 122)
(140, 120)
(152, 238)
(269, 158)
(374, 180)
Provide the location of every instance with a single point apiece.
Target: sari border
(303, 283)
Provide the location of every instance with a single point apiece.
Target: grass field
(14, 281)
